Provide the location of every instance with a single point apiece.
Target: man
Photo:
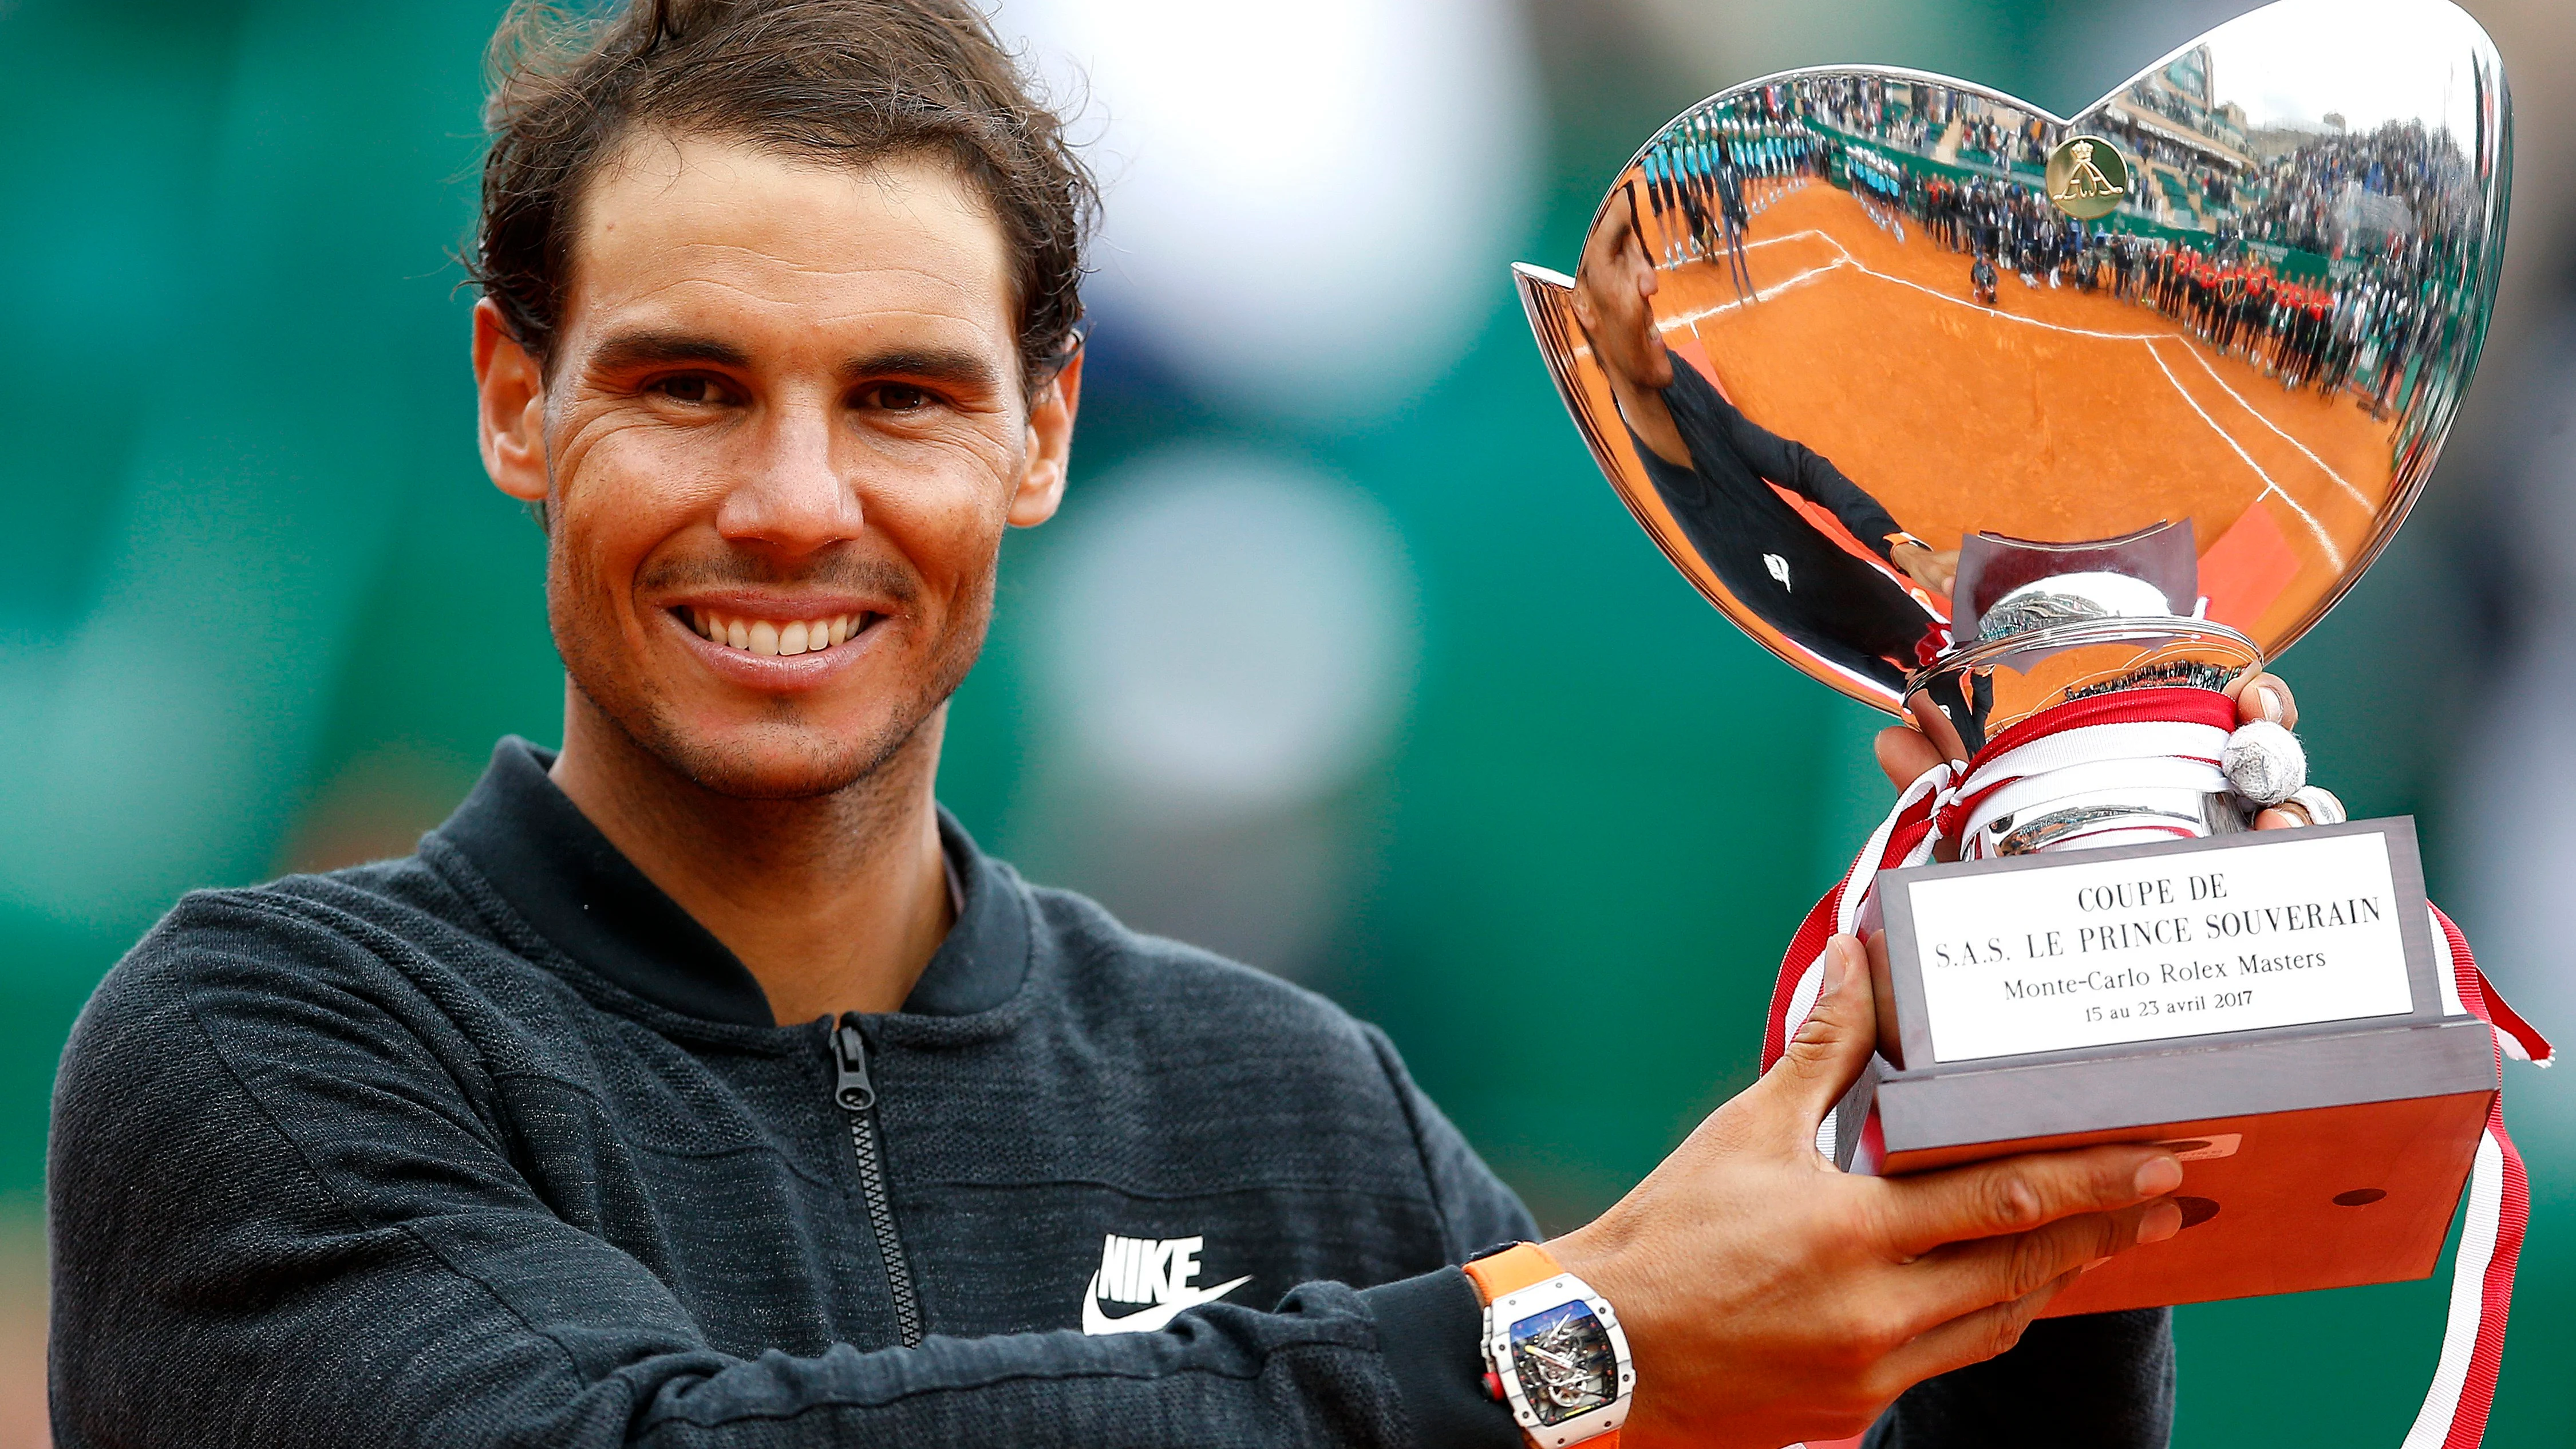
(1716, 470)
(703, 1084)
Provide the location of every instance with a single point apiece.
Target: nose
(791, 495)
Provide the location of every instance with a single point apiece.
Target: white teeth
(761, 636)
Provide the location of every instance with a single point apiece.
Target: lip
(756, 604)
(776, 674)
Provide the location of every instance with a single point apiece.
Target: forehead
(700, 231)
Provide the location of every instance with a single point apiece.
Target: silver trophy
(1949, 401)
(1976, 413)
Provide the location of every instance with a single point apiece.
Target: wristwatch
(1553, 1349)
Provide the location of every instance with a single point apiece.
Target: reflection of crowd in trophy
(2342, 194)
(1707, 176)
(2392, 208)
(2334, 262)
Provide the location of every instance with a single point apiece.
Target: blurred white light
(1310, 207)
(1228, 632)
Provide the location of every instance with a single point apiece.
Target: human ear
(1050, 447)
(1585, 314)
(510, 389)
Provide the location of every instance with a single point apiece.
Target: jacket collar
(555, 868)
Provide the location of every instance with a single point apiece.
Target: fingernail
(1834, 953)
(2158, 1176)
(2161, 1222)
(2271, 702)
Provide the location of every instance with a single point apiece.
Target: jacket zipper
(857, 1098)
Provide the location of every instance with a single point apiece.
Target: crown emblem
(2086, 178)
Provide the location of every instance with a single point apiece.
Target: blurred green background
(260, 611)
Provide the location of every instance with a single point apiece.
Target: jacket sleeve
(282, 1215)
(2105, 1380)
(1441, 1367)
(1706, 418)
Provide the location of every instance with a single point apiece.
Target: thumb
(1826, 1054)
(1905, 753)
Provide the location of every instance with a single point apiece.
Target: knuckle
(1886, 1331)
(1869, 1332)
(2005, 1331)
(2034, 1261)
(2111, 1234)
(1873, 1392)
(2011, 1202)
(1873, 1217)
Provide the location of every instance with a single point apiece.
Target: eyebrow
(954, 366)
(652, 347)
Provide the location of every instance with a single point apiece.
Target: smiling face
(778, 441)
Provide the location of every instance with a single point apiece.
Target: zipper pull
(854, 1091)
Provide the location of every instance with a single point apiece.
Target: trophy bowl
(1944, 398)
(2017, 423)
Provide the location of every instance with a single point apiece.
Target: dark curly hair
(855, 81)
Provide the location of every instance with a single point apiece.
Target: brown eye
(690, 388)
(897, 397)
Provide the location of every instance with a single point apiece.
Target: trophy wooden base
(2323, 1147)
(2319, 1163)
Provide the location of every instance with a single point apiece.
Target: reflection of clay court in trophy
(1961, 406)
(2265, 338)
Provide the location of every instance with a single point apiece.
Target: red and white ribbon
(2174, 738)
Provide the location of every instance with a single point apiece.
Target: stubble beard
(797, 760)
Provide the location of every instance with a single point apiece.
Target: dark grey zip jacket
(494, 1145)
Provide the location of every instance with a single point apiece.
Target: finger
(1964, 1277)
(2265, 697)
(1826, 1054)
(1905, 754)
(1936, 726)
(2282, 817)
(1969, 1338)
(2016, 1194)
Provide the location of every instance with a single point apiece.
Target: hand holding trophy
(2047, 434)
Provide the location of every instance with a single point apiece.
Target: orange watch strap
(1513, 1269)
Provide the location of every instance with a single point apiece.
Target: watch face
(1565, 1362)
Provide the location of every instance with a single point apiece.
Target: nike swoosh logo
(1147, 1320)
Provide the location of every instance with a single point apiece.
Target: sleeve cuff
(1427, 1331)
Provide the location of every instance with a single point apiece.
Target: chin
(781, 761)
(788, 755)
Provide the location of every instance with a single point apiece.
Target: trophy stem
(1992, 685)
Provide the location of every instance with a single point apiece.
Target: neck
(834, 903)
